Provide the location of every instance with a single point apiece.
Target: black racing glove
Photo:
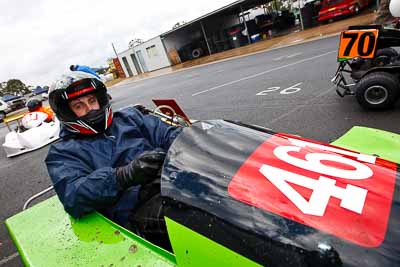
(142, 109)
(142, 170)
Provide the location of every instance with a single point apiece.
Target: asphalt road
(286, 89)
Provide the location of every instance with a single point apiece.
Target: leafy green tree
(15, 86)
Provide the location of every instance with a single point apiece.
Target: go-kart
(243, 195)
(20, 140)
(369, 66)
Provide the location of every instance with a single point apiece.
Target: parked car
(4, 109)
(332, 9)
(16, 103)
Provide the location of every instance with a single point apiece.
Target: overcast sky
(41, 38)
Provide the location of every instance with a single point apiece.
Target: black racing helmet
(33, 104)
(74, 85)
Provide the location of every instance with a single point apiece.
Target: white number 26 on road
(351, 198)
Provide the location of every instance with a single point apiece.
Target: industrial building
(238, 24)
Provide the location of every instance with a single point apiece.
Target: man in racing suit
(104, 161)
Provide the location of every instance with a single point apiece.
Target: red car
(337, 8)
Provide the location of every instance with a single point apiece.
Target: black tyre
(196, 53)
(384, 56)
(378, 90)
(2, 116)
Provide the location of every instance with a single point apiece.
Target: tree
(14, 87)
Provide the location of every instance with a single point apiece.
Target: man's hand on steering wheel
(142, 170)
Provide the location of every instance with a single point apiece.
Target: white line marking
(262, 73)
(294, 55)
(9, 258)
(290, 90)
(296, 41)
(301, 106)
(278, 58)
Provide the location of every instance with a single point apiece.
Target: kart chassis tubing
(340, 81)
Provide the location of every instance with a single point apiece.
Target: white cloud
(41, 38)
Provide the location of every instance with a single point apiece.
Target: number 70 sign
(357, 43)
(337, 191)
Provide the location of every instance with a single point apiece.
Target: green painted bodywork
(371, 141)
(191, 249)
(46, 236)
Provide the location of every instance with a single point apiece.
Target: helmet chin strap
(80, 127)
(94, 122)
(87, 126)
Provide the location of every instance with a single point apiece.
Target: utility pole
(205, 37)
(245, 26)
(301, 5)
(115, 51)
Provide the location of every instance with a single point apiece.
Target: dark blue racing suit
(82, 168)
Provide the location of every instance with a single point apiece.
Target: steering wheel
(171, 116)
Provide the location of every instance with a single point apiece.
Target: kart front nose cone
(13, 151)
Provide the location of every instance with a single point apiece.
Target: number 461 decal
(341, 192)
(352, 197)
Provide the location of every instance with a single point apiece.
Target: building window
(152, 51)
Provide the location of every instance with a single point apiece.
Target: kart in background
(369, 66)
(19, 140)
(243, 195)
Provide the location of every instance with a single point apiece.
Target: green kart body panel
(56, 239)
(385, 145)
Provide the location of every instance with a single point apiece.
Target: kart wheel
(2, 116)
(383, 56)
(378, 90)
